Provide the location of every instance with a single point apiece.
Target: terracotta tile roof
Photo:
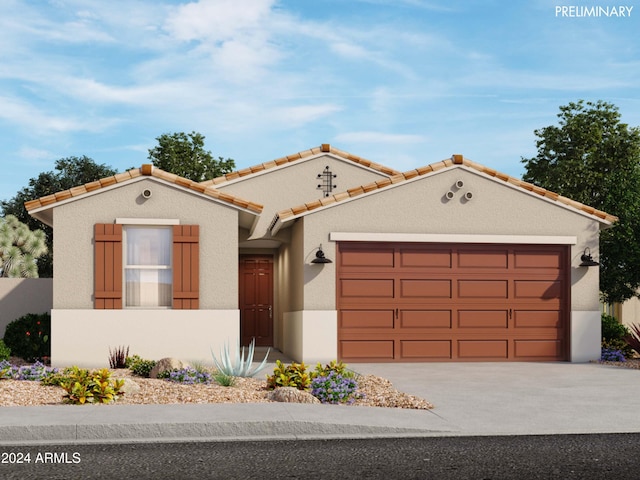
(145, 170)
(434, 167)
(324, 148)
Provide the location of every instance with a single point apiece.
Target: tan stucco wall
(296, 183)
(84, 337)
(495, 209)
(20, 296)
(73, 229)
(420, 207)
(630, 312)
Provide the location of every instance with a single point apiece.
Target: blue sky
(400, 82)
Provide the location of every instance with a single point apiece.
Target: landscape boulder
(165, 364)
(291, 395)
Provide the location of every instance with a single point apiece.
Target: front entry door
(256, 299)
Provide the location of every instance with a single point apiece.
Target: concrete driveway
(521, 398)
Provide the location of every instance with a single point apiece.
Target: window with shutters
(147, 266)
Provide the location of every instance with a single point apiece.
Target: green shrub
(5, 352)
(223, 379)
(338, 368)
(621, 345)
(139, 366)
(294, 375)
(28, 337)
(612, 329)
(84, 386)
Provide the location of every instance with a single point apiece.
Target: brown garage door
(443, 302)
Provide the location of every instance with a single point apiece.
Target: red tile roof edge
(324, 148)
(145, 170)
(426, 170)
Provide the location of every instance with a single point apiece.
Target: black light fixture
(320, 258)
(587, 259)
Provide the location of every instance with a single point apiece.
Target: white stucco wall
(495, 209)
(83, 337)
(74, 249)
(311, 336)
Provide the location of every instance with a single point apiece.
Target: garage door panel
(483, 259)
(353, 319)
(542, 289)
(425, 259)
(364, 288)
(416, 350)
(537, 319)
(483, 288)
(414, 288)
(538, 259)
(367, 349)
(425, 319)
(538, 349)
(483, 319)
(483, 349)
(370, 258)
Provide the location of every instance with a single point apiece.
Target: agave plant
(241, 366)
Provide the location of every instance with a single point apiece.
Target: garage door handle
(396, 313)
(510, 314)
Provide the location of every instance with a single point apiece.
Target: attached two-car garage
(452, 302)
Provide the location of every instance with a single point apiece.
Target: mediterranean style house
(324, 255)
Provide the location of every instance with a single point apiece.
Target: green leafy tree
(184, 155)
(19, 248)
(69, 172)
(594, 158)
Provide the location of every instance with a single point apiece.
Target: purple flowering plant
(36, 372)
(334, 388)
(612, 355)
(189, 375)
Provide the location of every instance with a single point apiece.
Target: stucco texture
(73, 225)
(295, 183)
(421, 207)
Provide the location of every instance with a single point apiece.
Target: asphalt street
(491, 457)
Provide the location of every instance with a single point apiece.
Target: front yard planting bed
(377, 392)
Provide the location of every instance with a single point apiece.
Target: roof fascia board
(277, 168)
(139, 179)
(278, 223)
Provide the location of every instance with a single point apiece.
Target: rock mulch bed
(378, 392)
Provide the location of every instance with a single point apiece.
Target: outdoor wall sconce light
(320, 258)
(587, 259)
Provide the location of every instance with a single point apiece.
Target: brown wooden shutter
(108, 266)
(186, 266)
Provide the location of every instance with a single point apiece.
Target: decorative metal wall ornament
(327, 185)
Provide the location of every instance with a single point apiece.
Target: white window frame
(157, 225)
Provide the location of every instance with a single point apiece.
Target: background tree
(19, 248)
(184, 155)
(594, 158)
(69, 172)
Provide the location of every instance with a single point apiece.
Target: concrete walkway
(470, 399)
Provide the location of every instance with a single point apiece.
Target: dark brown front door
(256, 299)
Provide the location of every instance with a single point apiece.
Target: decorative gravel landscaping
(374, 391)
